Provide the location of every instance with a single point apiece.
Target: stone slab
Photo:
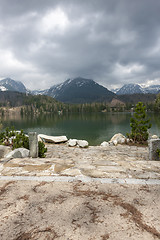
(53, 139)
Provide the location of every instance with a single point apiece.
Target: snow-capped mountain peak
(136, 88)
(152, 89)
(9, 84)
(79, 90)
(130, 89)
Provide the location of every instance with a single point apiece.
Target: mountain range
(80, 90)
(136, 88)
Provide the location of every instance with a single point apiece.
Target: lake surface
(93, 127)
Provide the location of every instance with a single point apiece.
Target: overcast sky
(114, 42)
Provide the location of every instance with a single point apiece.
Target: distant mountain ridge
(128, 89)
(9, 84)
(80, 90)
(154, 89)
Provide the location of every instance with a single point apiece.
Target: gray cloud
(113, 42)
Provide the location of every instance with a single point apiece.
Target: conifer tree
(139, 125)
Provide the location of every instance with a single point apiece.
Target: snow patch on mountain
(152, 89)
(3, 89)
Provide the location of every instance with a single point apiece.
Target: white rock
(51, 139)
(18, 153)
(154, 137)
(120, 138)
(82, 143)
(104, 144)
(72, 142)
(39, 139)
(4, 150)
(115, 142)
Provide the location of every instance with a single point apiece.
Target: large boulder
(82, 143)
(72, 142)
(18, 153)
(51, 139)
(4, 150)
(118, 138)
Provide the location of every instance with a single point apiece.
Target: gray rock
(82, 143)
(4, 150)
(51, 139)
(72, 142)
(154, 144)
(111, 144)
(18, 153)
(33, 144)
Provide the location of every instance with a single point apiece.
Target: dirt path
(77, 210)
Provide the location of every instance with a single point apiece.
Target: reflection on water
(93, 127)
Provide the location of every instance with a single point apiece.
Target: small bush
(15, 139)
(21, 140)
(41, 149)
(7, 136)
(158, 151)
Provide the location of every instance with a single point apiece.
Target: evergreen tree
(157, 103)
(139, 124)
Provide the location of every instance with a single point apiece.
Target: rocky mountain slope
(9, 84)
(80, 90)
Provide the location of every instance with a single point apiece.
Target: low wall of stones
(153, 144)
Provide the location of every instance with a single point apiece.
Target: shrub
(7, 136)
(20, 140)
(139, 125)
(41, 149)
(158, 151)
(16, 139)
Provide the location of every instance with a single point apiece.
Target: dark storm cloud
(113, 42)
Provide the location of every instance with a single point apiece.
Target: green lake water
(93, 127)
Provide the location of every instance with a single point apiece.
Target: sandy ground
(75, 211)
